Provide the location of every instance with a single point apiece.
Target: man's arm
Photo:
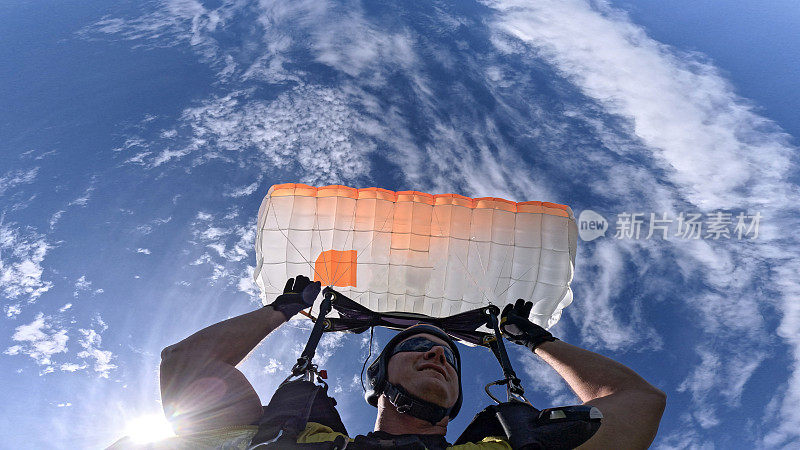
(631, 407)
(201, 388)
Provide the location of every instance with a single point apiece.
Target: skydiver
(211, 404)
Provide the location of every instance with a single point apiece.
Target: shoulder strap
(526, 427)
(292, 406)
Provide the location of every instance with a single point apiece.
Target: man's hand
(518, 329)
(298, 294)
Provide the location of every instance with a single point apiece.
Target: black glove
(298, 294)
(518, 329)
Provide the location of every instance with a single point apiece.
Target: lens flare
(149, 428)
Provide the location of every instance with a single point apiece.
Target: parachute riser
(304, 368)
(514, 389)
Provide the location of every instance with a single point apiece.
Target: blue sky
(139, 139)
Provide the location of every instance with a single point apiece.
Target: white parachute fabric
(436, 255)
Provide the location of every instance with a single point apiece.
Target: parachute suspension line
(538, 264)
(350, 233)
(514, 389)
(364, 366)
(505, 261)
(466, 269)
(292, 243)
(321, 246)
(304, 368)
(513, 281)
(374, 235)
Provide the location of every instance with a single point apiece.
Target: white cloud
(151, 225)
(312, 127)
(231, 244)
(14, 178)
(328, 346)
(146, 251)
(684, 437)
(174, 22)
(274, 366)
(247, 285)
(91, 350)
(84, 285)
(544, 378)
(22, 251)
(83, 200)
(717, 153)
(13, 309)
(244, 191)
(40, 340)
(72, 367)
(55, 218)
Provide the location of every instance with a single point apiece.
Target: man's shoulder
(487, 443)
(317, 432)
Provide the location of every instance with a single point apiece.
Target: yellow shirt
(240, 437)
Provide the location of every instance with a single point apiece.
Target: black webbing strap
(292, 406)
(356, 318)
(499, 349)
(303, 364)
(407, 403)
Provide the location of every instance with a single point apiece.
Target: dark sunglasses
(421, 344)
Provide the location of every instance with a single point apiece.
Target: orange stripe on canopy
(289, 189)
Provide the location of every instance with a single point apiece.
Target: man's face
(427, 374)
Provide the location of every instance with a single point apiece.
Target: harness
(298, 401)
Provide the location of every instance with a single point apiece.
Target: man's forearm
(631, 406)
(229, 341)
(588, 374)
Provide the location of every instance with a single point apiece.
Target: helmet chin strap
(414, 406)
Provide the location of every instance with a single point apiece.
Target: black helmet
(377, 374)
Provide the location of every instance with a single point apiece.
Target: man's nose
(436, 352)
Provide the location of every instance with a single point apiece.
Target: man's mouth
(434, 367)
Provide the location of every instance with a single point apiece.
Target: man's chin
(433, 390)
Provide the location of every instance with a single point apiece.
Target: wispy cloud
(83, 285)
(83, 200)
(22, 251)
(226, 244)
(92, 351)
(40, 340)
(15, 178)
(55, 218)
(710, 145)
(244, 191)
(151, 225)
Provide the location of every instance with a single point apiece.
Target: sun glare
(150, 428)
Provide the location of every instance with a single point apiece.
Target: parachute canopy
(412, 252)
